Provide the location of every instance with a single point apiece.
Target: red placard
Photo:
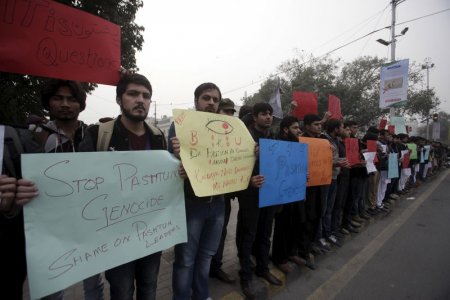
(372, 147)
(49, 39)
(391, 129)
(334, 107)
(306, 103)
(405, 161)
(352, 151)
(383, 123)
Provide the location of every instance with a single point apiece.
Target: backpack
(106, 129)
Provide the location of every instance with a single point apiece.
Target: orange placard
(320, 161)
(46, 38)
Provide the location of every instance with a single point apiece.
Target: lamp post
(428, 65)
(393, 40)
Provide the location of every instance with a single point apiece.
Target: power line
(340, 47)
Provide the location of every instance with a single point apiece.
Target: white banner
(394, 83)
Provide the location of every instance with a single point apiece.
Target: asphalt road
(404, 255)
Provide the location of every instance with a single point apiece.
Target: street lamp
(387, 43)
(428, 65)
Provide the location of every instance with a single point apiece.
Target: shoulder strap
(105, 131)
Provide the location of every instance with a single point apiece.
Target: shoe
(247, 291)
(372, 211)
(333, 240)
(339, 235)
(352, 229)
(270, 278)
(365, 216)
(316, 250)
(324, 245)
(344, 231)
(296, 260)
(357, 218)
(355, 224)
(309, 262)
(222, 276)
(285, 268)
(394, 196)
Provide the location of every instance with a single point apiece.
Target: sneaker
(394, 196)
(324, 245)
(344, 231)
(352, 229)
(355, 224)
(223, 276)
(316, 250)
(332, 239)
(365, 216)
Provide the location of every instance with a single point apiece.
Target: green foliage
(21, 93)
(356, 83)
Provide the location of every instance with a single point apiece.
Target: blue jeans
(144, 270)
(204, 221)
(93, 289)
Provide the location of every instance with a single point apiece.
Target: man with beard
(204, 218)
(130, 132)
(290, 219)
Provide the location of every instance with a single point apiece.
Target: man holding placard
(64, 99)
(204, 217)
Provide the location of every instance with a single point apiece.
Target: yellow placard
(320, 162)
(217, 151)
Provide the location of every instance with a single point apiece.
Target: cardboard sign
(352, 150)
(334, 107)
(284, 166)
(306, 104)
(372, 147)
(399, 124)
(320, 161)
(383, 123)
(413, 148)
(405, 161)
(217, 151)
(46, 38)
(369, 158)
(391, 129)
(393, 166)
(98, 210)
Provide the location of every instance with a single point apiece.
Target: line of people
(300, 229)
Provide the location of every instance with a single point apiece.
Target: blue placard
(393, 166)
(284, 166)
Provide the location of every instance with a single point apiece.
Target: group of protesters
(296, 232)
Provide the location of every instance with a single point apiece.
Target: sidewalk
(219, 290)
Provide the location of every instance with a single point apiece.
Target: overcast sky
(235, 43)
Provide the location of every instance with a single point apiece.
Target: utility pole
(394, 5)
(428, 65)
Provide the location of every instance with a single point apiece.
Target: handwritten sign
(217, 151)
(306, 103)
(352, 150)
(49, 39)
(427, 152)
(284, 166)
(399, 123)
(393, 165)
(320, 161)
(391, 129)
(413, 148)
(89, 219)
(334, 107)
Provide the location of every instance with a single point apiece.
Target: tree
(21, 93)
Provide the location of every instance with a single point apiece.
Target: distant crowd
(286, 235)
